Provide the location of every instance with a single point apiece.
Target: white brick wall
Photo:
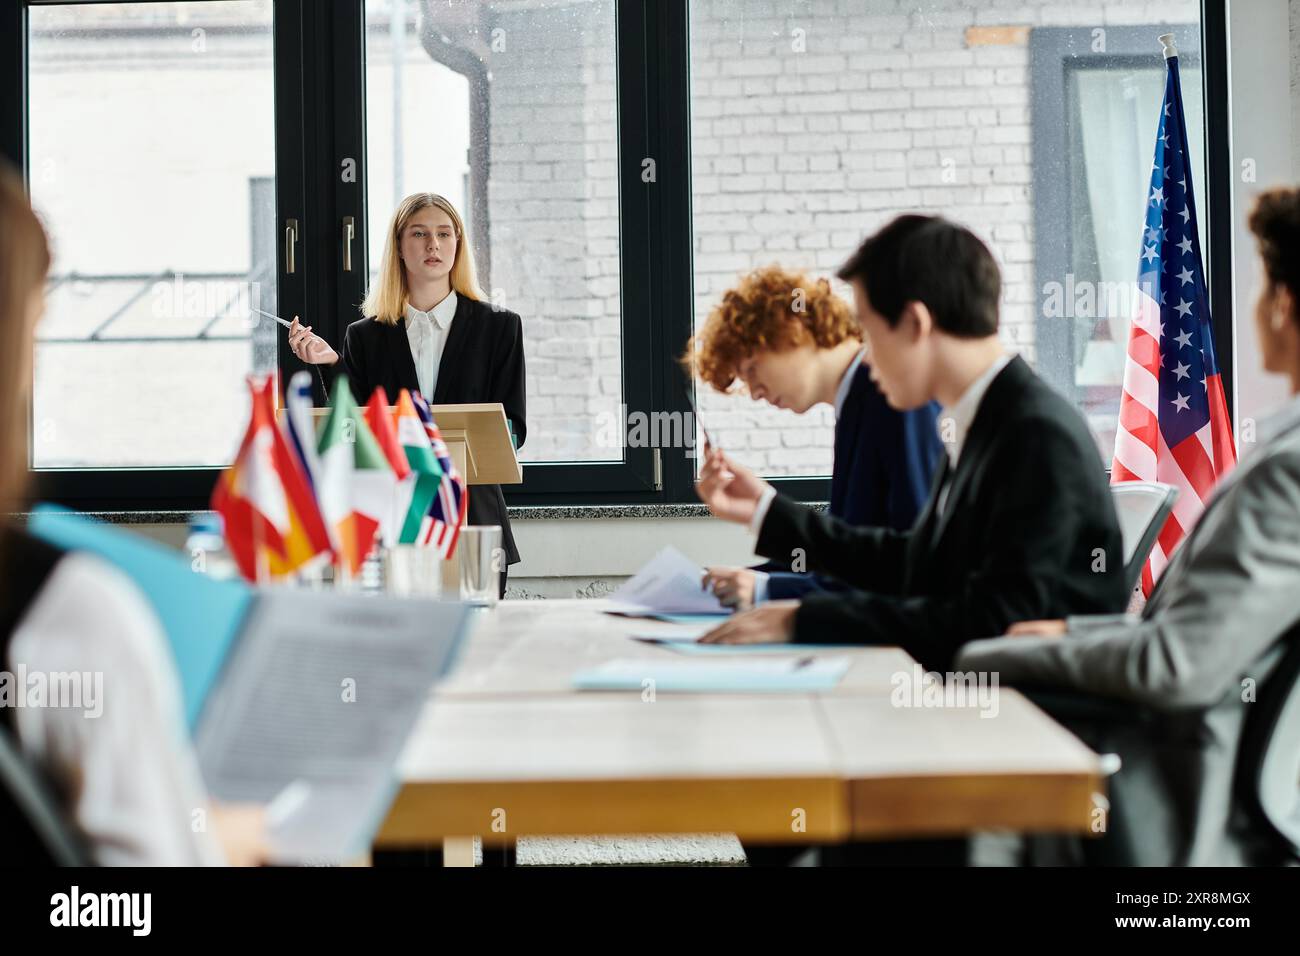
(1295, 89)
(796, 156)
(553, 207)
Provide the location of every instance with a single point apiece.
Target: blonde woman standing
(428, 327)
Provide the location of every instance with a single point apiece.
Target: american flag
(1173, 417)
(442, 526)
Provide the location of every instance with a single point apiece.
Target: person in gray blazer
(1212, 630)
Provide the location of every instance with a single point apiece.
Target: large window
(1096, 103)
(152, 163)
(815, 123)
(619, 163)
(509, 110)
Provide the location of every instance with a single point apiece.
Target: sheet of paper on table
(685, 639)
(674, 634)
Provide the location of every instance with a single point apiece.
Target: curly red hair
(761, 314)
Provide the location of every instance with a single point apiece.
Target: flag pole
(1168, 45)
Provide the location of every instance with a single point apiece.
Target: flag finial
(1167, 41)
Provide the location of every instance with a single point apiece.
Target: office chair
(33, 829)
(1268, 761)
(1266, 774)
(1142, 508)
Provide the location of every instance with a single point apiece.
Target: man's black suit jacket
(483, 361)
(1028, 531)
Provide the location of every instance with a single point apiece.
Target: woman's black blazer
(483, 361)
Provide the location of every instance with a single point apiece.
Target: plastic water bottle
(206, 547)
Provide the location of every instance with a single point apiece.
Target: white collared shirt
(427, 334)
(954, 421)
(846, 383)
(126, 766)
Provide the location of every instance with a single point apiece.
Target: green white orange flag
(424, 467)
(356, 483)
(273, 525)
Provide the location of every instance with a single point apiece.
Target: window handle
(290, 244)
(349, 233)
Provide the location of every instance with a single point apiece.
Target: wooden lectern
(478, 439)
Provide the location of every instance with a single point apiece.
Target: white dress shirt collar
(955, 420)
(441, 314)
(846, 383)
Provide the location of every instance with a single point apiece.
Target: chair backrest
(33, 828)
(1142, 508)
(1269, 756)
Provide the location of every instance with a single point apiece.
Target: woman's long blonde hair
(24, 263)
(386, 299)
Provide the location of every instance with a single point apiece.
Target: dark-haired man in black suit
(1019, 524)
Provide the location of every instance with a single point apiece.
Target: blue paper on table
(731, 676)
(200, 616)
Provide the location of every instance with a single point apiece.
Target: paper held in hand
(669, 584)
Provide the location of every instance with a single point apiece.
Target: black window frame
(320, 120)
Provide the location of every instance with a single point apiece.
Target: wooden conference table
(506, 748)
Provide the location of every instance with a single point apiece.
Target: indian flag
(357, 483)
(424, 467)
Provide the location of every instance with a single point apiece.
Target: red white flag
(273, 524)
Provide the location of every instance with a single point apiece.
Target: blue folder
(201, 616)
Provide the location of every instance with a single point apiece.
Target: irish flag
(356, 483)
(273, 524)
(424, 468)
